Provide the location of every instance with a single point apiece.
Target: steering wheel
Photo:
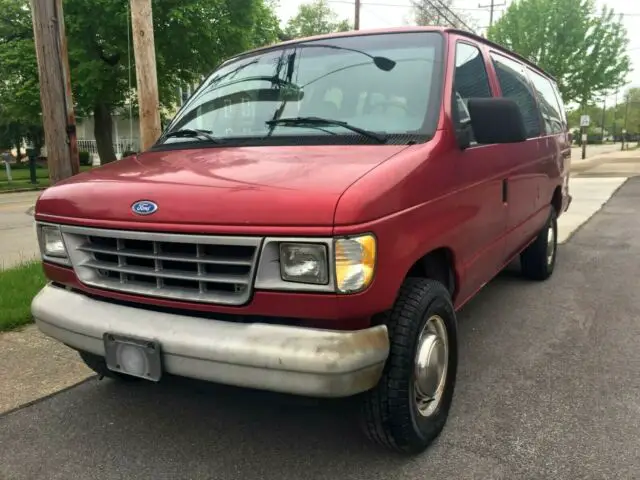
(387, 104)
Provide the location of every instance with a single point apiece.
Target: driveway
(548, 387)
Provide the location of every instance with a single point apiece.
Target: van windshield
(385, 84)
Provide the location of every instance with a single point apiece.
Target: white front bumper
(304, 361)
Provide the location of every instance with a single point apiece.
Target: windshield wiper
(319, 121)
(192, 133)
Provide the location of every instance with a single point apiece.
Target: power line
(454, 15)
(460, 9)
(440, 13)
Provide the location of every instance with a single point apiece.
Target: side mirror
(496, 120)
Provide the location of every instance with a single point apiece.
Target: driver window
(470, 80)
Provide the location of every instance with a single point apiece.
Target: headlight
(355, 263)
(51, 242)
(304, 263)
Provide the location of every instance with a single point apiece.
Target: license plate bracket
(133, 356)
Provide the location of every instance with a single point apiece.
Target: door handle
(505, 190)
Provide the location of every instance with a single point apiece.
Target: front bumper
(296, 360)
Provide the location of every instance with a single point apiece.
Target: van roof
(378, 31)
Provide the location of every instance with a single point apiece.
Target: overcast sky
(391, 13)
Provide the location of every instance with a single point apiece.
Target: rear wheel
(99, 365)
(538, 260)
(409, 407)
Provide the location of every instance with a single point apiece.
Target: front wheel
(409, 407)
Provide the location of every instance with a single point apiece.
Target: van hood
(277, 186)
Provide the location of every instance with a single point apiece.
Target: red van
(312, 219)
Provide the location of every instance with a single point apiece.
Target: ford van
(312, 219)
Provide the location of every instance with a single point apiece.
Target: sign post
(6, 157)
(31, 153)
(585, 120)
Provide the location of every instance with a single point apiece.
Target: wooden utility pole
(615, 109)
(146, 75)
(492, 6)
(356, 23)
(604, 113)
(626, 117)
(56, 100)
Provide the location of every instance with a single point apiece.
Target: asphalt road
(17, 236)
(594, 150)
(548, 387)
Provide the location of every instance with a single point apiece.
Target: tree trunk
(103, 131)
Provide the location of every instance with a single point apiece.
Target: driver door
(480, 174)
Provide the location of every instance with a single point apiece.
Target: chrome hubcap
(431, 363)
(551, 244)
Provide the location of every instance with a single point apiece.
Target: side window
(548, 103)
(470, 79)
(563, 111)
(515, 85)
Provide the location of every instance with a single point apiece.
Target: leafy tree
(631, 113)
(191, 37)
(583, 48)
(616, 117)
(439, 13)
(19, 87)
(315, 18)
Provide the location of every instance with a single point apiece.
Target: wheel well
(437, 265)
(556, 200)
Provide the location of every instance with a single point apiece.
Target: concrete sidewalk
(33, 366)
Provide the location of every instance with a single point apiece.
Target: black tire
(535, 261)
(390, 414)
(98, 365)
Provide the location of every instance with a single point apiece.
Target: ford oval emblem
(144, 207)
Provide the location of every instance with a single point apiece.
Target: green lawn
(21, 178)
(18, 286)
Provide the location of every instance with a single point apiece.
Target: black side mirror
(496, 120)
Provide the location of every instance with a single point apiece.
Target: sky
(393, 13)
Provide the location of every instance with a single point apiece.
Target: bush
(85, 158)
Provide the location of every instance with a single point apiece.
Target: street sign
(584, 137)
(585, 120)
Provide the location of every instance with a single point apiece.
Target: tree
(191, 36)
(583, 49)
(315, 18)
(438, 13)
(631, 114)
(19, 89)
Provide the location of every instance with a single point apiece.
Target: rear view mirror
(496, 120)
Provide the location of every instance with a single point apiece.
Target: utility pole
(356, 23)
(58, 118)
(492, 6)
(626, 117)
(146, 75)
(604, 111)
(615, 109)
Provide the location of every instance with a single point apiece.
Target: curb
(21, 190)
(46, 397)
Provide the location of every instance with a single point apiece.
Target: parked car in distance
(312, 219)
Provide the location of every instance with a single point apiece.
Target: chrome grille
(212, 269)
